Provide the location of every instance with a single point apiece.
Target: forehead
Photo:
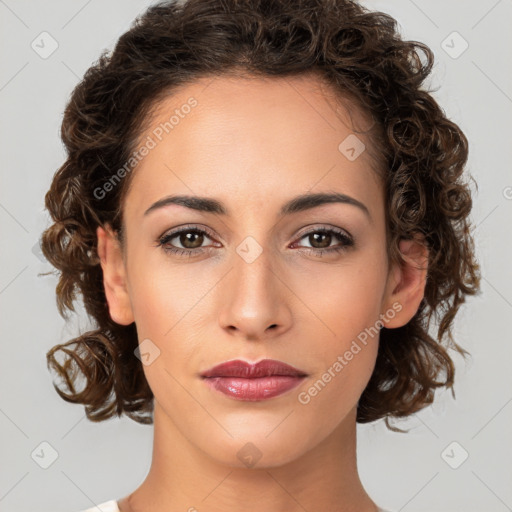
(247, 137)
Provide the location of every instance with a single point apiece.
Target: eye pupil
(316, 236)
(188, 237)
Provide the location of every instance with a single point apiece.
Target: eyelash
(340, 234)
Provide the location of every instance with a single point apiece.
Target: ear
(406, 283)
(114, 276)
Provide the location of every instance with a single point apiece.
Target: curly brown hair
(358, 52)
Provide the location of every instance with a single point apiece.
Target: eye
(192, 238)
(320, 241)
(189, 237)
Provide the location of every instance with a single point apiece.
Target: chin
(255, 449)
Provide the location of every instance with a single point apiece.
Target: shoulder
(107, 506)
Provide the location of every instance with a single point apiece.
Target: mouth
(252, 382)
(243, 369)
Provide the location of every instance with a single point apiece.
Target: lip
(264, 368)
(241, 380)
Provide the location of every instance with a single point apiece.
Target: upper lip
(264, 368)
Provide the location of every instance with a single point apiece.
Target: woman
(262, 211)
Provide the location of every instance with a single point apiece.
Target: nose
(254, 298)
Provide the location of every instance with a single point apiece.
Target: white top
(111, 506)
(108, 506)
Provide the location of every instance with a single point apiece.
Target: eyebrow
(297, 204)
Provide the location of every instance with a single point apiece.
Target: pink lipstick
(240, 380)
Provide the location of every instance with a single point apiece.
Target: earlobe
(114, 276)
(407, 282)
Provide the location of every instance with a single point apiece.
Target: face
(308, 286)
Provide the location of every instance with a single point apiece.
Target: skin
(254, 144)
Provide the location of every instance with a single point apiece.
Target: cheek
(344, 299)
(343, 330)
(162, 315)
(162, 294)
(165, 300)
(345, 348)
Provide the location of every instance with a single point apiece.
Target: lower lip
(253, 389)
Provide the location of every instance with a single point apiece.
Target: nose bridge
(252, 300)
(253, 267)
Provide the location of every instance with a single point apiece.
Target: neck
(182, 477)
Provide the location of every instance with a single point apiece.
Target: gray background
(98, 462)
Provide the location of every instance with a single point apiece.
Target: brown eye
(320, 240)
(191, 239)
(188, 241)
